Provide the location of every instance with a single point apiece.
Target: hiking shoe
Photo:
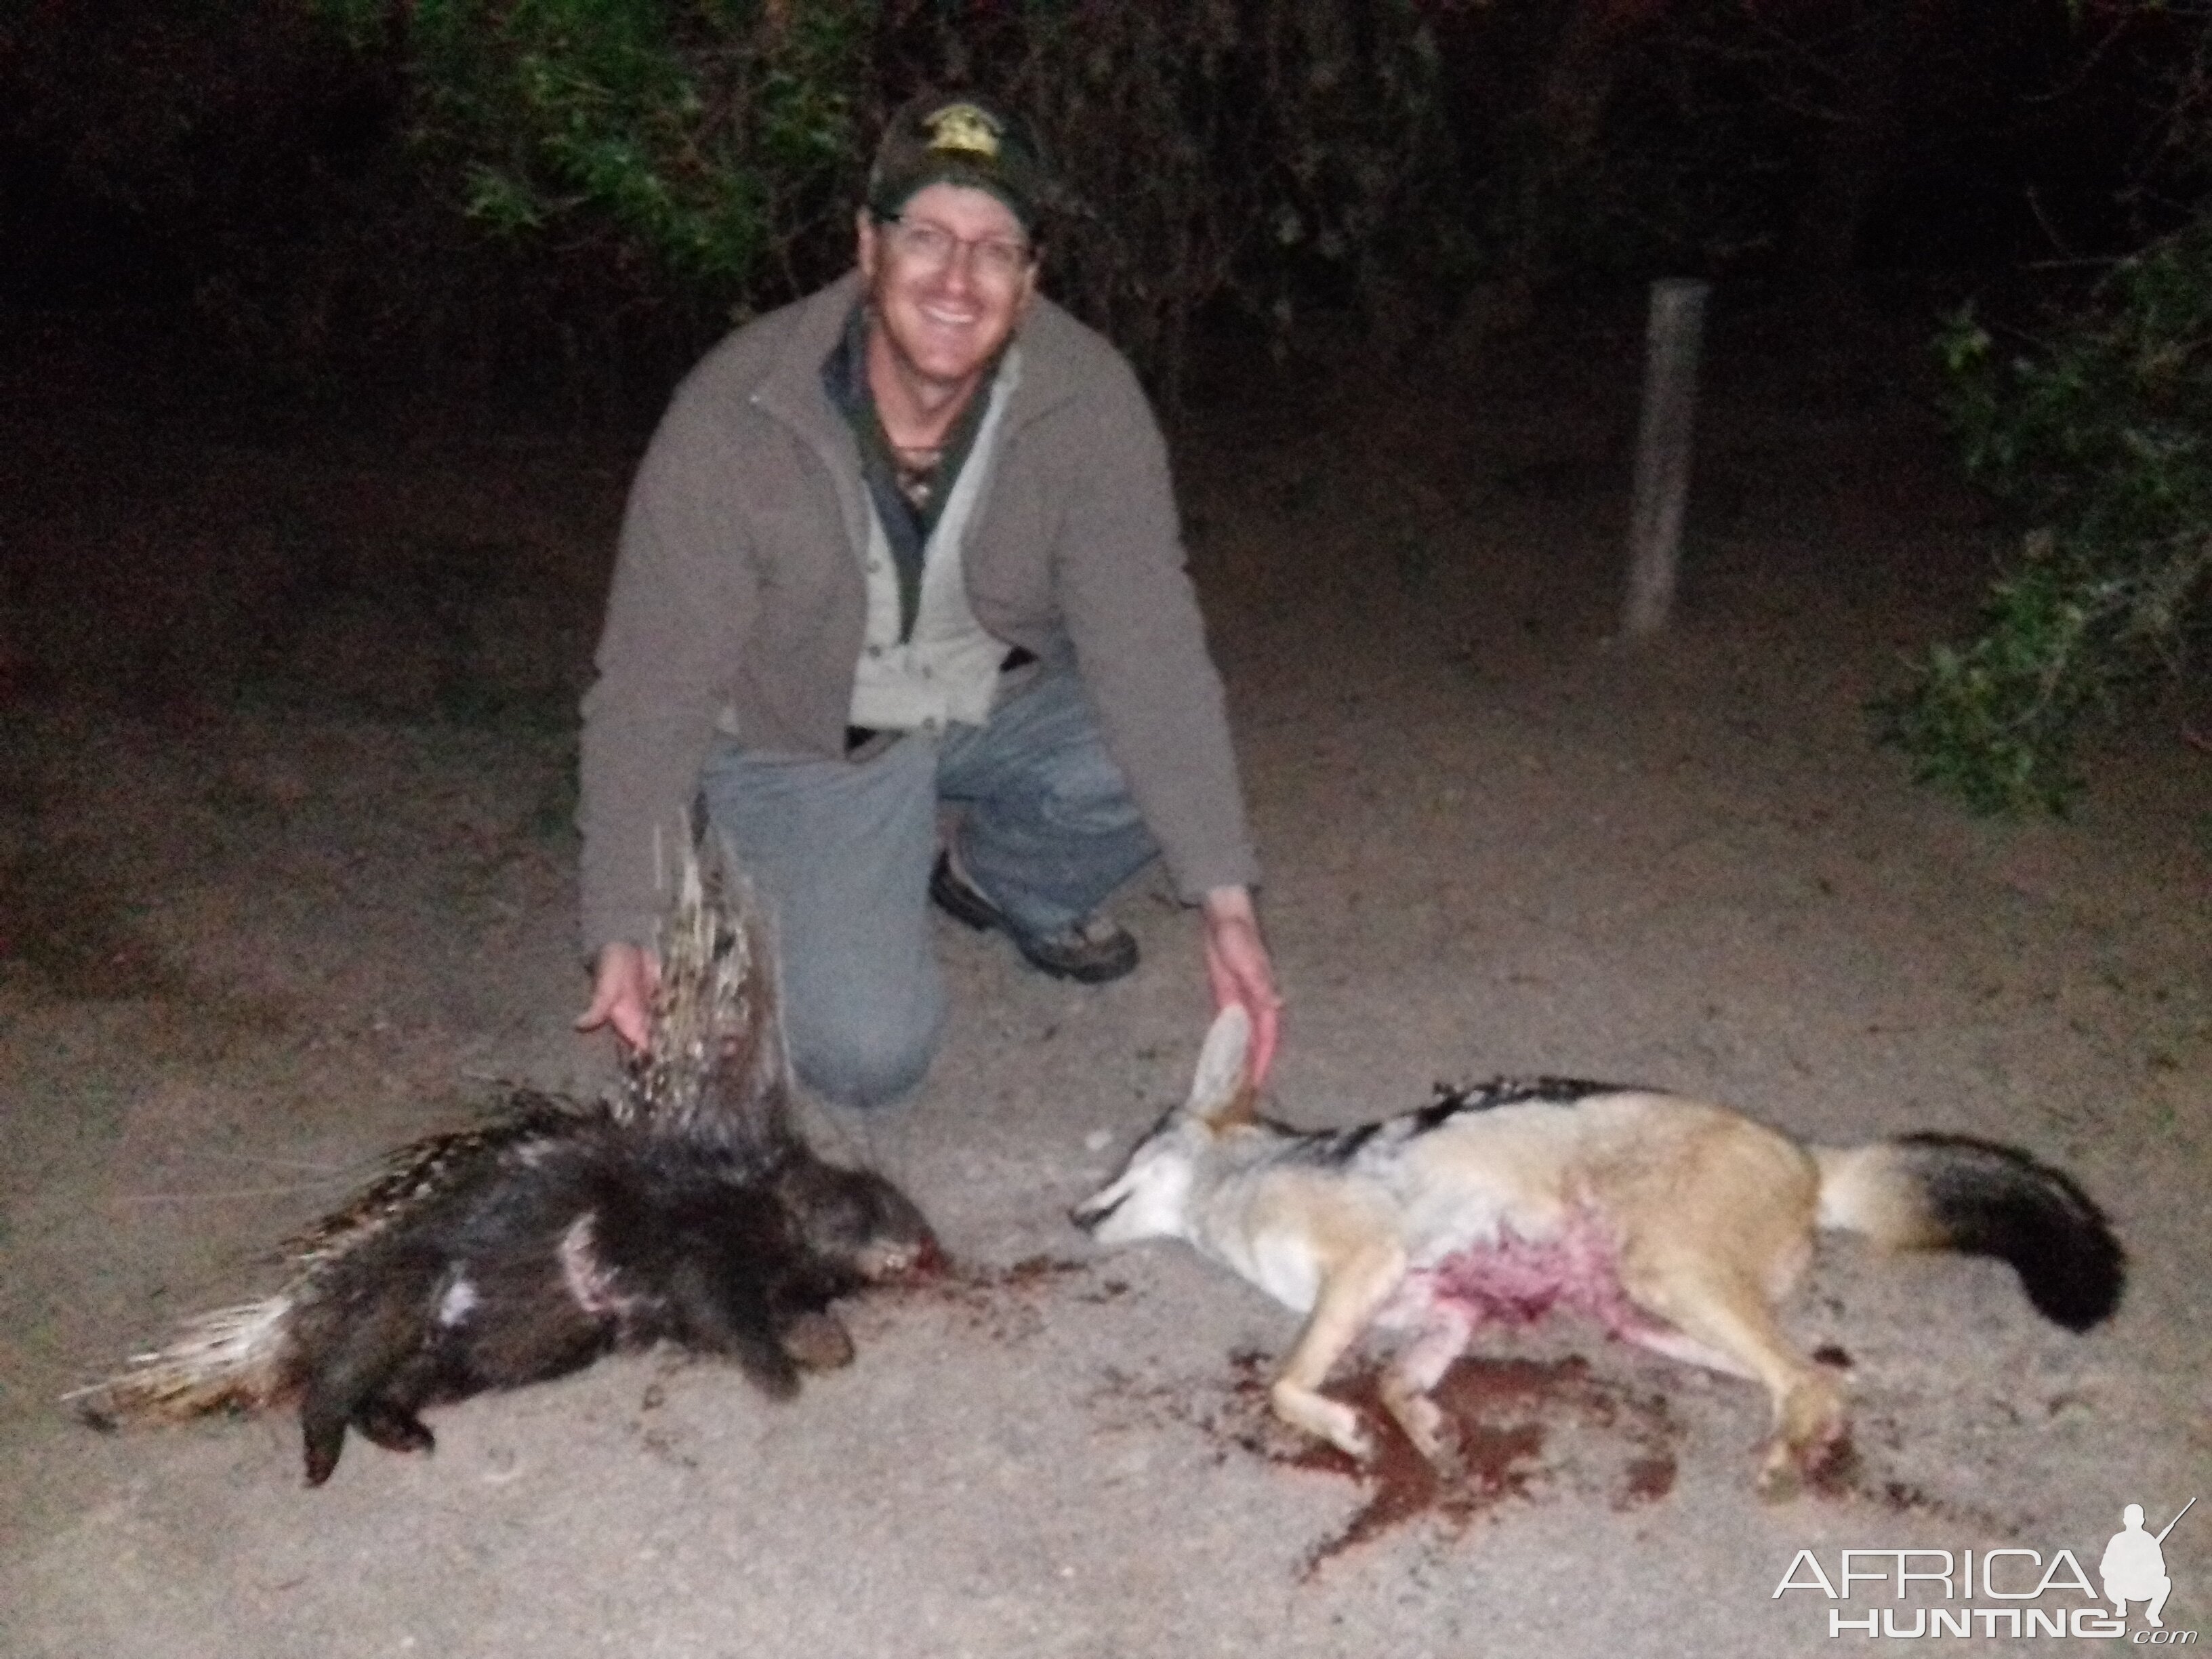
(1092, 950)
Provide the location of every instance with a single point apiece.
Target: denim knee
(1088, 797)
(865, 1062)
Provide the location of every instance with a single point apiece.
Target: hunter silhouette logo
(965, 127)
(2134, 1567)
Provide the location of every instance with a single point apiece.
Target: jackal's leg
(1718, 1306)
(1353, 1288)
(1671, 1344)
(1415, 1370)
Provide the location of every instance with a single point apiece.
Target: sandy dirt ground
(284, 781)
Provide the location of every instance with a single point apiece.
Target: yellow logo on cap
(963, 127)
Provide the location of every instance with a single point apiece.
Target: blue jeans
(840, 853)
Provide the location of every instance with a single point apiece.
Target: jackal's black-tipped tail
(1955, 1193)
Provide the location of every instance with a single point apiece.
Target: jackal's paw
(1780, 1480)
(1325, 1419)
(1822, 1462)
(1434, 1435)
(1354, 1441)
(1812, 1435)
(1344, 1428)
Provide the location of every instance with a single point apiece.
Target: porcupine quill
(684, 1208)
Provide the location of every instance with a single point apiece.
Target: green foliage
(711, 138)
(1230, 147)
(1263, 154)
(2099, 442)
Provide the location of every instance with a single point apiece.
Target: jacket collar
(791, 389)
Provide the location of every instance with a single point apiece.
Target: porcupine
(686, 1208)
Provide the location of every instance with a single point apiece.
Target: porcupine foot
(819, 1341)
(380, 1419)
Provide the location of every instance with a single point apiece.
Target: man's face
(950, 279)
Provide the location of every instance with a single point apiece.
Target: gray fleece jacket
(738, 585)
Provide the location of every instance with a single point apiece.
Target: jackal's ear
(1221, 1093)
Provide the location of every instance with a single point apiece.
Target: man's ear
(866, 248)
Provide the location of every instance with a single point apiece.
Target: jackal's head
(1152, 1196)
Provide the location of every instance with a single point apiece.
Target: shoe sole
(964, 904)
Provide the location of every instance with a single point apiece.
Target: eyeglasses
(930, 245)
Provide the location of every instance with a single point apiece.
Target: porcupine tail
(249, 1357)
(238, 1359)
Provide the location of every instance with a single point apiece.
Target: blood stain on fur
(1504, 1412)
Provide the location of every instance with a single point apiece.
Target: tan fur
(1713, 1217)
(1698, 1221)
(1360, 1263)
(1679, 1226)
(1860, 1189)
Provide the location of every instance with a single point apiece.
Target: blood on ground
(1504, 1412)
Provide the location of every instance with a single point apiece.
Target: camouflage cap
(942, 139)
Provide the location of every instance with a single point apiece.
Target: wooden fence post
(1663, 451)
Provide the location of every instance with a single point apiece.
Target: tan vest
(948, 671)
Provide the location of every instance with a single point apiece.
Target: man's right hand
(1240, 971)
(622, 992)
